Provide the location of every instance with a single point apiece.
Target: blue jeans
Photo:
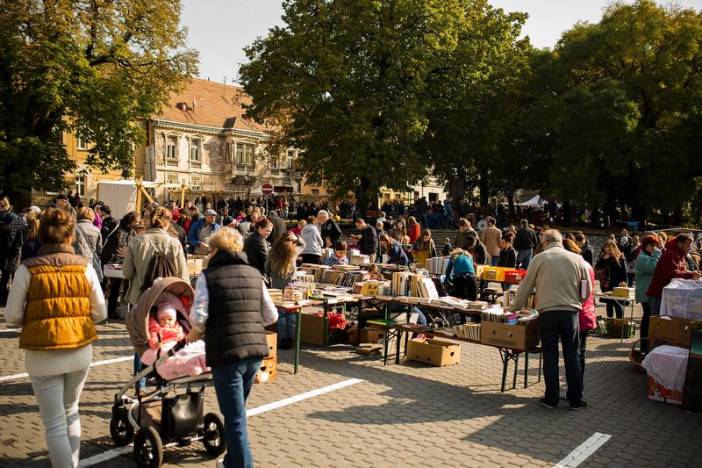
(495, 260)
(286, 326)
(524, 258)
(232, 384)
(562, 325)
(141, 383)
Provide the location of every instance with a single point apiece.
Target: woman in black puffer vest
(231, 307)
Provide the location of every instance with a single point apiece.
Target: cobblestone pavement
(399, 415)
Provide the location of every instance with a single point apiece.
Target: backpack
(160, 266)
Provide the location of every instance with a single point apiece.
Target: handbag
(182, 414)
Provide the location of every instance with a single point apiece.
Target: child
(339, 257)
(165, 328)
(424, 248)
(164, 333)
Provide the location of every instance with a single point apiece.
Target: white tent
(535, 202)
(121, 195)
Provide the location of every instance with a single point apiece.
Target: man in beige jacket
(561, 282)
(490, 236)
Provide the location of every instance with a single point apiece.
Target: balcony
(244, 169)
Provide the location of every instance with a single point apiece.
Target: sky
(220, 29)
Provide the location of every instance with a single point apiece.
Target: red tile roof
(210, 104)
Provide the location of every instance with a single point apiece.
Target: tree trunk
(363, 199)
(484, 191)
(567, 213)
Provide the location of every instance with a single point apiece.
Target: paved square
(399, 415)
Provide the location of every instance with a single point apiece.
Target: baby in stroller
(164, 333)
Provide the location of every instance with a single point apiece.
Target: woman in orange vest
(56, 298)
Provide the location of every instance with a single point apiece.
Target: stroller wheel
(213, 434)
(148, 449)
(121, 429)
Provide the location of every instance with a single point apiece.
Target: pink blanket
(189, 361)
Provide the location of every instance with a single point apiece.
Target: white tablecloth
(682, 298)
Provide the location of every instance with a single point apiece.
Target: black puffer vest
(234, 328)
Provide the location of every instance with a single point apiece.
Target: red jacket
(671, 265)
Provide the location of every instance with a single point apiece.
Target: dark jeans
(232, 384)
(310, 258)
(523, 258)
(645, 320)
(4, 281)
(138, 366)
(581, 355)
(630, 275)
(115, 289)
(614, 307)
(465, 287)
(562, 325)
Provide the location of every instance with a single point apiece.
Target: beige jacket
(490, 236)
(558, 277)
(139, 253)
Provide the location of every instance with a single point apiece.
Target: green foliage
(355, 84)
(95, 68)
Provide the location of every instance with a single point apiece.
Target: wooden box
(272, 339)
(312, 329)
(674, 331)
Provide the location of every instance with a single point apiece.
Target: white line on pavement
(116, 452)
(10, 330)
(302, 396)
(104, 456)
(584, 450)
(24, 375)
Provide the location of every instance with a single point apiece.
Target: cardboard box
(614, 328)
(268, 371)
(312, 331)
(515, 276)
(375, 336)
(194, 266)
(517, 337)
(272, 339)
(434, 351)
(674, 331)
(658, 392)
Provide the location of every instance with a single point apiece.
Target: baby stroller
(170, 414)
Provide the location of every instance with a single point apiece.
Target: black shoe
(546, 404)
(577, 406)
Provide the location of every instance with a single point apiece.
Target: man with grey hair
(562, 283)
(331, 232)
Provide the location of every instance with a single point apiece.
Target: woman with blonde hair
(88, 242)
(231, 307)
(57, 299)
(610, 270)
(280, 268)
(31, 244)
(413, 229)
(461, 273)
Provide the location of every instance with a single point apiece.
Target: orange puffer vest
(57, 313)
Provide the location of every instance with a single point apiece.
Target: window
(82, 144)
(315, 191)
(172, 178)
(245, 154)
(195, 152)
(433, 197)
(274, 163)
(195, 183)
(172, 151)
(80, 185)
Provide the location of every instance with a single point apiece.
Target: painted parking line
(116, 452)
(24, 375)
(584, 450)
(10, 330)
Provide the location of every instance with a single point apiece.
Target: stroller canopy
(138, 318)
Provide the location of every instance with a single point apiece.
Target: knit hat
(166, 310)
(649, 240)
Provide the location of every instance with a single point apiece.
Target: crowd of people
(54, 258)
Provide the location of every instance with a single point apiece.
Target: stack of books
(405, 283)
(437, 265)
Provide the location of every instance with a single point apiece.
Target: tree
(346, 81)
(96, 68)
(627, 106)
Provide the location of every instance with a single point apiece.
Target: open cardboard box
(674, 331)
(434, 351)
(517, 337)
